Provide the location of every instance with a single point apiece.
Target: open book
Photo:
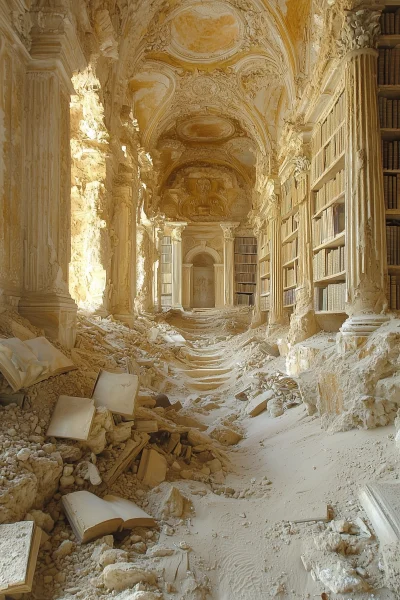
(91, 517)
(19, 547)
(26, 363)
(117, 392)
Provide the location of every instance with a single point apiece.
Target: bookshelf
(328, 220)
(389, 117)
(264, 270)
(289, 236)
(166, 272)
(245, 270)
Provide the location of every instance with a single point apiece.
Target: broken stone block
(120, 433)
(122, 576)
(275, 407)
(42, 520)
(153, 468)
(224, 435)
(167, 501)
(112, 556)
(214, 465)
(258, 404)
(63, 550)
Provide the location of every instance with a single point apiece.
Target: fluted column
(176, 235)
(46, 301)
(229, 261)
(365, 206)
(276, 315)
(303, 323)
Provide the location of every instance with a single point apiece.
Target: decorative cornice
(228, 230)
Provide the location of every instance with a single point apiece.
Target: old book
(381, 502)
(91, 517)
(127, 456)
(72, 418)
(153, 468)
(147, 426)
(25, 363)
(117, 392)
(19, 547)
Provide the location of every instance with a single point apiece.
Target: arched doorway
(203, 281)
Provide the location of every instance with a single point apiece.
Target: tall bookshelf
(328, 221)
(166, 272)
(290, 242)
(264, 269)
(245, 270)
(389, 116)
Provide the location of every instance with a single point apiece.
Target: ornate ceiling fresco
(211, 81)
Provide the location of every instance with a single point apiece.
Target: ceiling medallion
(204, 87)
(205, 128)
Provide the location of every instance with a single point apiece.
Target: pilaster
(229, 261)
(276, 314)
(365, 207)
(176, 236)
(187, 286)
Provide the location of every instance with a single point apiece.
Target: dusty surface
(225, 530)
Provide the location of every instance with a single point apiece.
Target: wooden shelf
(335, 242)
(264, 257)
(290, 287)
(290, 237)
(391, 171)
(336, 200)
(291, 212)
(330, 312)
(265, 295)
(288, 306)
(390, 91)
(390, 134)
(389, 40)
(328, 174)
(392, 212)
(337, 277)
(290, 262)
(266, 276)
(395, 268)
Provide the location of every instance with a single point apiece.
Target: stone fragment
(24, 454)
(224, 435)
(42, 520)
(122, 576)
(153, 468)
(63, 550)
(112, 556)
(214, 465)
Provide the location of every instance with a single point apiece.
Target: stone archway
(197, 259)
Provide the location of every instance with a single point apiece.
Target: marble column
(276, 314)
(55, 48)
(303, 323)
(187, 286)
(365, 206)
(229, 262)
(176, 236)
(219, 285)
(123, 275)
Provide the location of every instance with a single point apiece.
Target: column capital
(302, 166)
(274, 207)
(176, 230)
(360, 31)
(228, 229)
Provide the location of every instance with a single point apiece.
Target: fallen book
(91, 517)
(19, 547)
(381, 502)
(72, 418)
(25, 363)
(117, 392)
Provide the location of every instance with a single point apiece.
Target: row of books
(289, 277)
(329, 126)
(331, 223)
(390, 23)
(393, 291)
(389, 113)
(389, 66)
(265, 286)
(393, 243)
(167, 277)
(166, 288)
(246, 277)
(289, 251)
(245, 288)
(166, 300)
(246, 268)
(289, 297)
(329, 262)
(328, 155)
(391, 155)
(289, 226)
(249, 241)
(245, 259)
(289, 195)
(264, 303)
(246, 249)
(332, 298)
(391, 188)
(332, 189)
(167, 240)
(166, 267)
(265, 269)
(245, 299)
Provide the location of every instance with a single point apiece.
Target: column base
(53, 313)
(356, 330)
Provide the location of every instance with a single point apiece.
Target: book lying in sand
(91, 517)
(72, 418)
(381, 502)
(26, 363)
(117, 392)
(19, 547)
